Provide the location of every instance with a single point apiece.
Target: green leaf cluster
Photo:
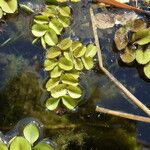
(49, 24)
(7, 6)
(64, 62)
(136, 48)
(26, 142)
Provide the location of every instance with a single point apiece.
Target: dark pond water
(22, 92)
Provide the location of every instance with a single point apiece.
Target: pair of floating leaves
(64, 89)
(31, 135)
(65, 61)
(70, 103)
(50, 23)
(7, 6)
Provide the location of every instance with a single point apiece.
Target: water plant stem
(122, 114)
(122, 88)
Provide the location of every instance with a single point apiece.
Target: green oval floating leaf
(141, 37)
(43, 146)
(69, 102)
(143, 56)
(39, 30)
(74, 73)
(91, 51)
(75, 45)
(51, 83)
(20, 143)
(147, 70)
(128, 55)
(65, 64)
(56, 26)
(65, 44)
(64, 21)
(31, 133)
(88, 62)
(78, 64)
(64, 11)
(74, 91)
(50, 64)
(52, 103)
(69, 79)
(59, 90)
(9, 6)
(3, 146)
(51, 38)
(40, 19)
(68, 55)
(53, 52)
(80, 51)
(56, 72)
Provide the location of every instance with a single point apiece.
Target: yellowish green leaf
(49, 64)
(142, 56)
(65, 64)
(74, 91)
(91, 51)
(59, 91)
(75, 45)
(39, 30)
(69, 102)
(56, 72)
(65, 44)
(64, 21)
(53, 52)
(52, 104)
(31, 133)
(51, 37)
(56, 25)
(80, 51)
(64, 11)
(69, 79)
(9, 6)
(78, 64)
(87, 62)
(20, 143)
(51, 83)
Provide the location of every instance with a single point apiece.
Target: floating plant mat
(24, 93)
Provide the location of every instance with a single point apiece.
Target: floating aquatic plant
(7, 6)
(50, 23)
(136, 47)
(26, 140)
(64, 62)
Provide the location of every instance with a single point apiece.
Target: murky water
(22, 92)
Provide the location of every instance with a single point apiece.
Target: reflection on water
(22, 92)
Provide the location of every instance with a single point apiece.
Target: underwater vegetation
(8, 6)
(50, 23)
(65, 63)
(26, 136)
(133, 42)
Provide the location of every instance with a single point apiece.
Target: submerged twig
(122, 114)
(110, 76)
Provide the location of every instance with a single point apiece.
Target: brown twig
(122, 114)
(109, 75)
